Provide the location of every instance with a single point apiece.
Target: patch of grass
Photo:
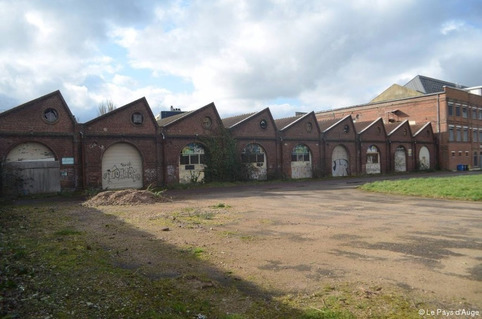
(466, 187)
(195, 251)
(67, 232)
(157, 192)
(327, 314)
(221, 205)
(195, 216)
(356, 300)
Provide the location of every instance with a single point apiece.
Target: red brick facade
(297, 147)
(31, 122)
(433, 108)
(118, 126)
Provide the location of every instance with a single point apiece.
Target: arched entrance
(373, 160)
(301, 162)
(400, 159)
(339, 161)
(121, 167)
(424, 158)
(31, 168)
(253, 156)
(191, 164)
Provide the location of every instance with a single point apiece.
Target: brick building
(257, 140)
(182, 151)
(121, 148)
(300, 147)
(40, 147)
(44, 149)
(454, 111)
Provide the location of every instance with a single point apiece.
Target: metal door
(339, 161)
(121, 167)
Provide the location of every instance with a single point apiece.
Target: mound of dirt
(125, 197)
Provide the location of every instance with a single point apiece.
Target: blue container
(460, 167)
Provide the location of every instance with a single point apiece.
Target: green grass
(467, 187)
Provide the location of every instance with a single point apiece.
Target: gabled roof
(122, 108)
(392, 127)
(171, 119)
(175, 118)
(56, 94)
(328, 124)
(418, 128)
(363, 126)
(229, 122)
(396, 92)
(284, 123)
(428, 85)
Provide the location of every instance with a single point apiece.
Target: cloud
(242, 55)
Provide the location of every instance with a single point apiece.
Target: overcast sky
(244, 56)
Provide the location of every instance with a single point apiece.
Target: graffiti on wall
(340, 163)
(125, 172)
(340, 167)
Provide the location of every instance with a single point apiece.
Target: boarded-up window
(254, 156)
(191, 162)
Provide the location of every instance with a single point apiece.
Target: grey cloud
(320, 52)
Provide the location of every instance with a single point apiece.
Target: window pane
(451, 109)
(294, 157)
(451, 134)
(260, 158)
(307, 157)
(184, 159)
(372, 158)
(457, 110)
(195, 159)
(201, 159)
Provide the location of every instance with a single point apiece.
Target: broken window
(252, 153)
(300, 153)
(192, 154)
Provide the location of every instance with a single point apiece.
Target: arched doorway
(121, 167)
(339, 161)
(253, 156)
(31, 168)
(373, 160)
(424, 158)
(400, 159)
(191, 164)
(301, 162)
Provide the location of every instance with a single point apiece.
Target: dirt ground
(296, 238)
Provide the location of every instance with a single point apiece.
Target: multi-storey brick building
(44, 149)
(454, 111)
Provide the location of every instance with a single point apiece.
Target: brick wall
(160, 145)
(121, 126)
